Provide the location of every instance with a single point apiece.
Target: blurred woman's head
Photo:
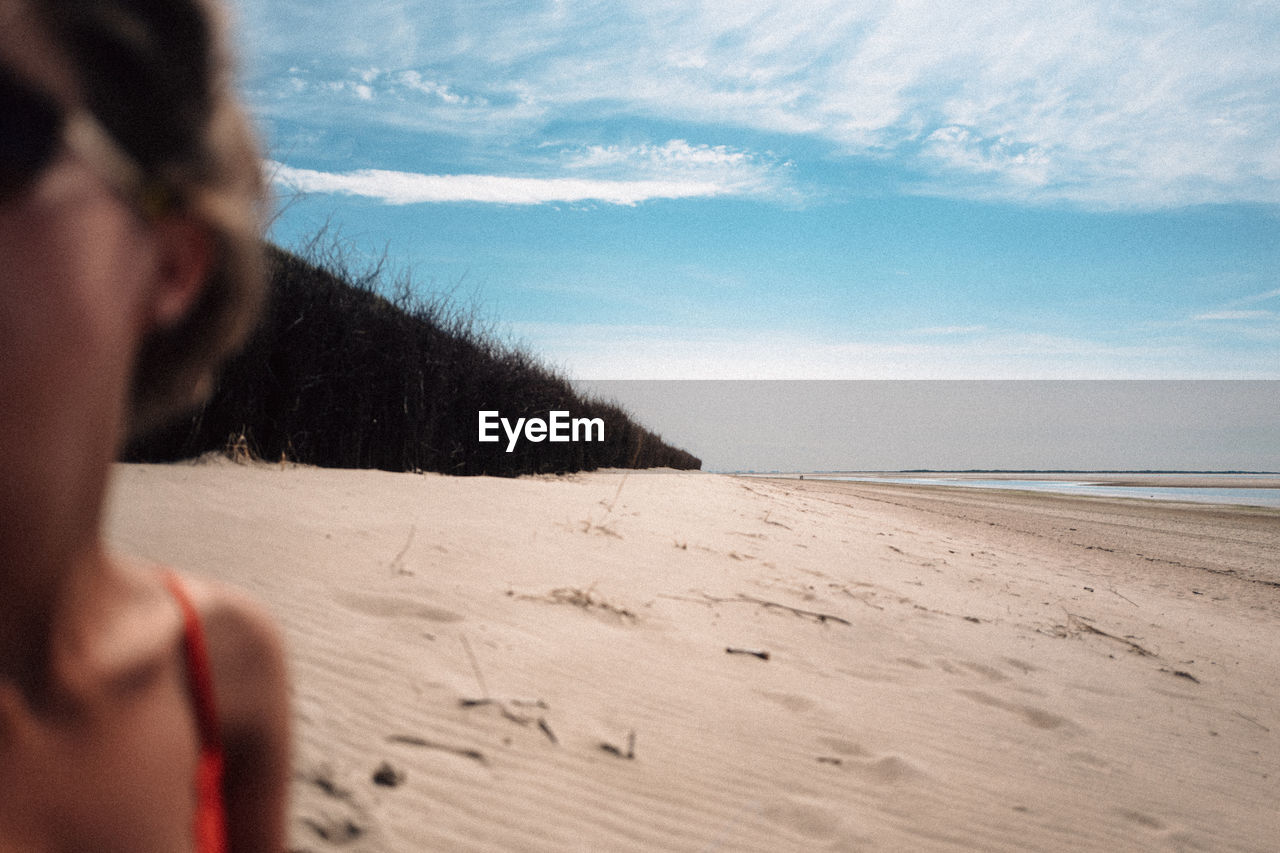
(155, 74)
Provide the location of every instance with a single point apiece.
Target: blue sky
(754, 190)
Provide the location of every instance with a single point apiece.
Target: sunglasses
(35, 128)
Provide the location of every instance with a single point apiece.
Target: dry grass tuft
(585, 599)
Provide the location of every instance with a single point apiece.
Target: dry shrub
(349, 371)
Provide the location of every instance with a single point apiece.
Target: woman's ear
(185, 258)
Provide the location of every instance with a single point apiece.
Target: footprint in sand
(1035, 717)
(988, 672)
(394, 607)
(964, 667)
(1144, 820)
(840, 746)
(889, 770)
(813, 820)
(878, 770)
(795, 704)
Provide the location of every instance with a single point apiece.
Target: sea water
(1235, 495)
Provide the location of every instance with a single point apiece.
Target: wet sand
(1182, 538)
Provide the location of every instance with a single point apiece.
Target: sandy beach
(693, 662)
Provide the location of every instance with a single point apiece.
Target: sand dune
(690, 662)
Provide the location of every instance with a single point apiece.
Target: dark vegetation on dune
(348, 371)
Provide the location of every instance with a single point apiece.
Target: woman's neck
(55, 485)
(45, 580)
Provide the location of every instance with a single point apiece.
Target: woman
(138, 712)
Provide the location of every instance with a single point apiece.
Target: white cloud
(411, 188)
(1236, 315)
(368, 84)
(676, 153)
(1261, 297)
(1104, 104)
(737, 172)
(961, 149)
(361, 91)
(414, 81)
(612, 175)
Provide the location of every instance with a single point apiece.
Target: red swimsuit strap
(198, 669)
(210, 828)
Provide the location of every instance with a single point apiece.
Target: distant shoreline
(1164, 479)
(1073, 471)
(1259, 490)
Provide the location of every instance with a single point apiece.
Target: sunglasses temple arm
(89, 140)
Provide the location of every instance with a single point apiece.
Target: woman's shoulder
(246, 655)
(247, 661)
(238, 629)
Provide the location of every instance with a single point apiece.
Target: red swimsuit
(211, 822)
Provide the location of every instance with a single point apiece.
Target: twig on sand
(1080, 624)
(1252, 720)
(1126, 598)
(518, 719)
(583, 598)
(475, 667)
(822, 618)
(588, 525)
(1181, 673)
(397, 564)
(322, 778)
(531, 703)
(753, 652)
(862, 598)
(609, 506)
(338, 832)
(546, 730)
(630, 754)
(413, 740)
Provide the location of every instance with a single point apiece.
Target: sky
(741, 189)
(756, 190)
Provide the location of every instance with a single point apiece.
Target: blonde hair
(157, 75)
